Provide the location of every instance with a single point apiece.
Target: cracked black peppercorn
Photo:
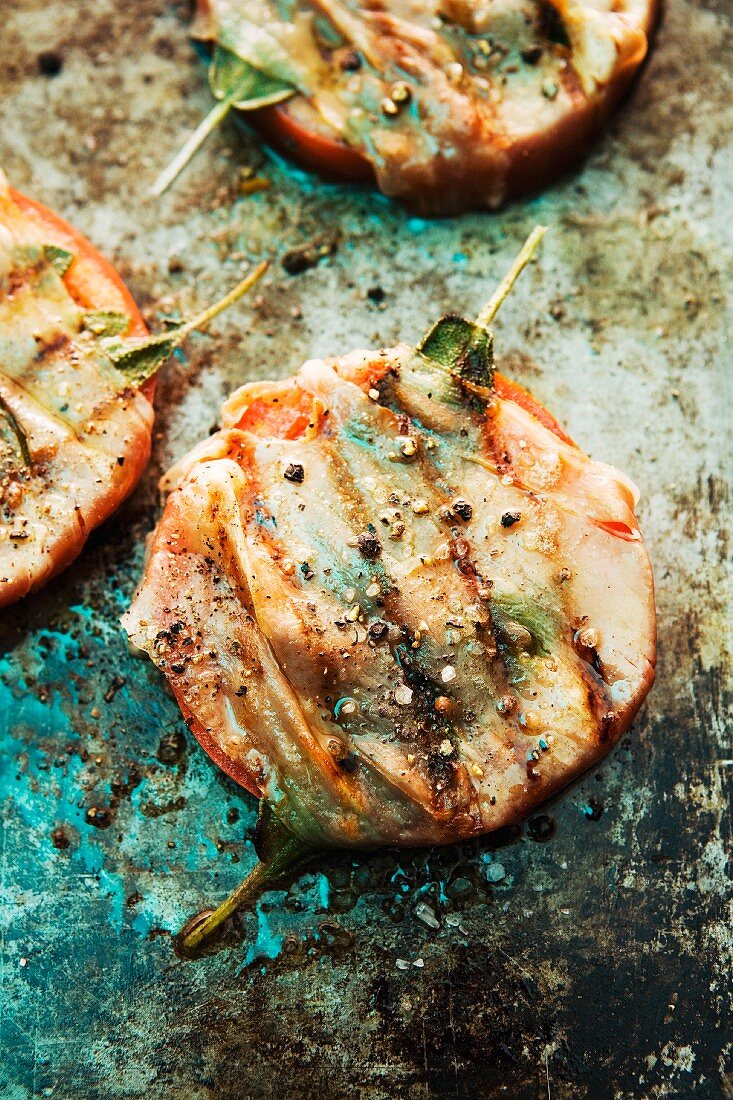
(294, 472)
(532, 54)
(510, 518)
(50, 63)
(462, 509)
(369, 545)
(351, 62)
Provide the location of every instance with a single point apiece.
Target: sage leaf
(235, 83)
(58, 257)
(19, 437)
(106, 322)
(138, 358)
(245, 87)
(466, 349)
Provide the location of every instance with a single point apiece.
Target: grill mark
(62, 342)
(590, 673)
(599, 702)
(12, 383)
(347, 788)
(433, 478)
(472, 580)
(46, 350)
(514, 732)
(27, 279)
(494, 445)
(440, 772)
(350, 782)
(277, 550)
(25, 276)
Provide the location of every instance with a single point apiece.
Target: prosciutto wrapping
(395, 601)
(77, 378)
(449, 104)
(74, 436)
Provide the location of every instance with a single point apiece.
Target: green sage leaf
(58, 257)
(141, 357)
(466, 348)
(106, 322)
(242, 85)
(18, 438)
(463, 347)
(138, 358)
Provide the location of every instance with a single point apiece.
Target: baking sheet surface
(587, 955)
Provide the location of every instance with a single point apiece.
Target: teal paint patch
(267, 943)
(324, 891)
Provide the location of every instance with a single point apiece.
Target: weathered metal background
(597, 964)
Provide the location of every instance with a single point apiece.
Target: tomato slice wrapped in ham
(397, 612)
(449, 105)
(75, 438)
(77, 378)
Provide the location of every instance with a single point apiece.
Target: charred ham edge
(520, 105)
(462, 351)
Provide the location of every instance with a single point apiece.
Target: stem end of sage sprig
(140, 357)
(525, 254)
(280, 851)
(216, 115)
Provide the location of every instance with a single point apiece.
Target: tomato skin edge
(509, 390)
(241, 776)
(311, 150)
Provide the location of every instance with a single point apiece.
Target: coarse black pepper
(532, 54)
(369, 545)
(350, 62)
(378, 630)
(294, 472)
(462, 509)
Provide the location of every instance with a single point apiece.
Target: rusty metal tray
(586, 955)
